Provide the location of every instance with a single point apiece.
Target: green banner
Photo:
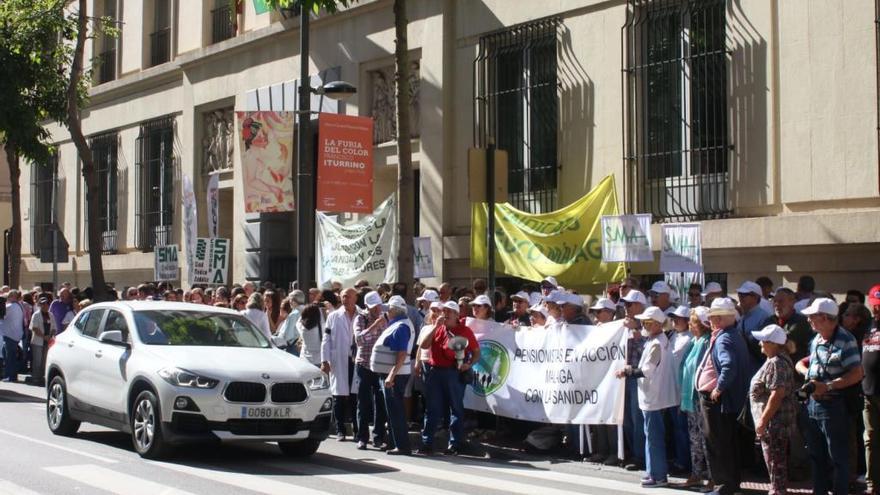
(566, 243)
(260, 7)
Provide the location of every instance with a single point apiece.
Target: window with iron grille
(222, 21)
(160, 38)
(517, 106)
(44, 180)
(675, 109)
(104, 149)
(155, 184)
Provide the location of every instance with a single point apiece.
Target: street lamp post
(305, 176)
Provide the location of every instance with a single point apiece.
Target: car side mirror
(113, 337)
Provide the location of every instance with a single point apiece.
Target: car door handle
(98, 354)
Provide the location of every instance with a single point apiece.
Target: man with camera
(832, 366)
(451, 359)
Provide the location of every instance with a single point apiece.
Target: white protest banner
(210, 261)
(682, 250)
(626, 238)
(423, 261)
(366, 249)
(555, 374)
(681, 282)
(166, 263)
(190, 216)
(213, 199)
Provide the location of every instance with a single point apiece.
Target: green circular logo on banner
(490, 373)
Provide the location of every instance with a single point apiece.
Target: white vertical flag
(213, 198)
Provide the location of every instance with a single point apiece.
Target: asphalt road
(98, 460)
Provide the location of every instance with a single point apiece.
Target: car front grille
(245, 392)
(284, 393)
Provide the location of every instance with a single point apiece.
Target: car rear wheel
(302, 448)
(57, 412)
(146, 427)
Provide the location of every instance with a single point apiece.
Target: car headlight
(319, 382)
(183, 378)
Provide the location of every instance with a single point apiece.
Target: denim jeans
(680, 438)
(655, 445)
(10, 358)
(371, 405)
(634, 421)
(396, 412)
(446, 393)
(872, 439)
(828, 443)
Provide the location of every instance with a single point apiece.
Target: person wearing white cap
(661, 295)
(538, 315)
(773, 406)
(698, 324)
(482, 307)
(390, 360)
(656, 391)
(553, 303)
(548, 285)
(634, 303)
(520, 315)
(834, 364)
(573, 310)
(443, 384)
(604, 310)
(680, 343)
(753, 317)
(370, 402)
(713, 290)
(424, 301)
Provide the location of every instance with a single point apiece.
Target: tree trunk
(405, 192)
(99, 286)
(15, 244)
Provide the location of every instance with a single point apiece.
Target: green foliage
(314, 5)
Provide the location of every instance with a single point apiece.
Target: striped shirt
(834, 358)
(365, 339)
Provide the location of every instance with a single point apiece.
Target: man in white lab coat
(336, 356)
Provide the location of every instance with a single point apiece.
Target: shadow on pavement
(7, 395)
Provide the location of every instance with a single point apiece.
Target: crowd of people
(709, 381)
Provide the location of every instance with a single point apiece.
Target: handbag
(745, 417)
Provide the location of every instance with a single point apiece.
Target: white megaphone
(458, 344)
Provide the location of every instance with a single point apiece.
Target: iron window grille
(154, 208)
(675, 109)
(44, 186)
(222, 22)
(160, 38)
(517, 105)
(104, 154)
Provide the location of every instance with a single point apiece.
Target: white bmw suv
(169, 373)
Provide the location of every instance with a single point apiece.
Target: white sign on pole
(423, 261)
(213, 198)
(366, 249)
(166, 263)
(682, 249)
(556, 374)
(626, 238)
(210, 261)
(190, 216)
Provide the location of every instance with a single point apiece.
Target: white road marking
(78, 452)
(360, 479)
(10, 488)
(252, 482)
(113, 481)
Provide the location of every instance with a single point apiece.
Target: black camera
(804, 393)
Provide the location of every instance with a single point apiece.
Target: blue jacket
(732, 362)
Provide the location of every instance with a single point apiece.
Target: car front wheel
(302, 448)
(57, 412)
(146, 427)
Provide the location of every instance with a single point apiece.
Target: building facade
(757, 118)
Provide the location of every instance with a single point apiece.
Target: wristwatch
(829, 385)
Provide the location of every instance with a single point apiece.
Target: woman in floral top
(773, 404)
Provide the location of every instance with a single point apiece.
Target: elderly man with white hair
(723, 382)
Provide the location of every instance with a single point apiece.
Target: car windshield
(197, 328)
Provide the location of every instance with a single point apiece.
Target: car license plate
(266, 412)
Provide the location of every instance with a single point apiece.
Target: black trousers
(724, 445)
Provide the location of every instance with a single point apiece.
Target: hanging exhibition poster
(266, 144)
(345, 163)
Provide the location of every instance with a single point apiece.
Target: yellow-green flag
(566, 243)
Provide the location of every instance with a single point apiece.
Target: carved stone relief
(383, 102)
(218, 140)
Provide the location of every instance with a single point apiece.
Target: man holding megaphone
(454, 350)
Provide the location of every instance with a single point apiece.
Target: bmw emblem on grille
(266, 376)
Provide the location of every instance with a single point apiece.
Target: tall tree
(405, 186)
(33, 55)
